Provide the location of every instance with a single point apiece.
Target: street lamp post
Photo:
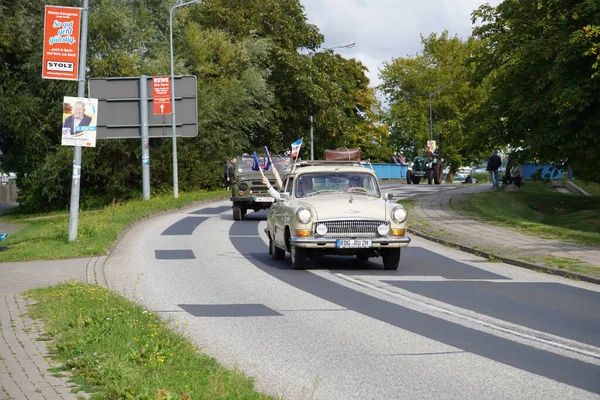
(430, 111)
(174, 125)
(312, 129)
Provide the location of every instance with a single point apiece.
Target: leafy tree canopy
(440, 76)
(542, 60)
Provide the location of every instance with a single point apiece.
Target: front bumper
(330, 243)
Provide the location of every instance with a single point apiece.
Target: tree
(442, 69)
(541, 59)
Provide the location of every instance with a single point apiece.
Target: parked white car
(335, 208)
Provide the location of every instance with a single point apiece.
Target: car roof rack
(308, 163)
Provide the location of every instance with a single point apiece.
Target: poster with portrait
(79, 121)
(431, 145)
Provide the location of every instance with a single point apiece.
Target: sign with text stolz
(60, 57)
(161, 93)
(119, 104)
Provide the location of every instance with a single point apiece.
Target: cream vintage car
(335, 208)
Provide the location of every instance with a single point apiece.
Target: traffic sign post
(161, 93)
(125, 109)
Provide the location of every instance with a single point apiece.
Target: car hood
(339, 206)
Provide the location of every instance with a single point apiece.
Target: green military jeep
(248, 192)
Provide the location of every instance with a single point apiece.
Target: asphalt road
(445, 325)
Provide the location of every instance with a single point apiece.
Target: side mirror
(388, 196)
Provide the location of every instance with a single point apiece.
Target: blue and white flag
(296, 148)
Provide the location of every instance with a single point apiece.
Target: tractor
(430, 167)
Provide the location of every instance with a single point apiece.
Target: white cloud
(387, 29)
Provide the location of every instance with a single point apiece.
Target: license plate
(352, 243)
(264, 199)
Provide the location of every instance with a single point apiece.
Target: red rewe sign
(161, 94)
(61, 43)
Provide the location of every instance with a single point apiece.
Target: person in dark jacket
(493, 164)
(71, 125)
(229, 171)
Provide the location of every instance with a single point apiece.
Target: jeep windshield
(316, 184)
(282, 164)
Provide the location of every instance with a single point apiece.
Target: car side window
(288, 185)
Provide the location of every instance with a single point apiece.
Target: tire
(429, 177)
(437, 173)
(416, 180)
(409, 176)
(237, 213)
(391, 259)
(298, 256)
(362, 257)
(275, 252)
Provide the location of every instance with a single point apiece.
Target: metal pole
(312, 129)
(174, 126)
(430, 113)
(76, 175)
(430, 119)
(145, 141)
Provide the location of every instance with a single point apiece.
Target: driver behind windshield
(304, 186)
(354, 182)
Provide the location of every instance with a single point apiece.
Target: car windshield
(282, 164)
(317, 184)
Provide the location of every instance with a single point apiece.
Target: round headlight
(399, 214)
(383, 229)
(243, 186)
(303, 215)
(321, 229)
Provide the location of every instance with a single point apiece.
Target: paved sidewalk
(24, 361)
(437, 216)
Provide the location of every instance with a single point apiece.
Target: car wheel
(429, 177)
(408, 177)
(275, 252)
(298, 256)
(237, 214)
(362, 257)
(416, 179)
(391, 259)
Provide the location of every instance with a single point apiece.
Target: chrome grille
(350, 227)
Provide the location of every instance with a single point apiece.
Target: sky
(387, 29)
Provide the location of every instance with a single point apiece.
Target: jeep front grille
(350, 227)
(259, 186)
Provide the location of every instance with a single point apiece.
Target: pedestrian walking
(493, 164)
(228, 173)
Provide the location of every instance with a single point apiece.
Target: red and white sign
(161, 94)
(60, 58)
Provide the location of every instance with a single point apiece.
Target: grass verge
(46, 238)
(538, 211)
(115, 349)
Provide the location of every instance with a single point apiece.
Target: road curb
(506, 260)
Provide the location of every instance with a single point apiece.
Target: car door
(278, 214)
